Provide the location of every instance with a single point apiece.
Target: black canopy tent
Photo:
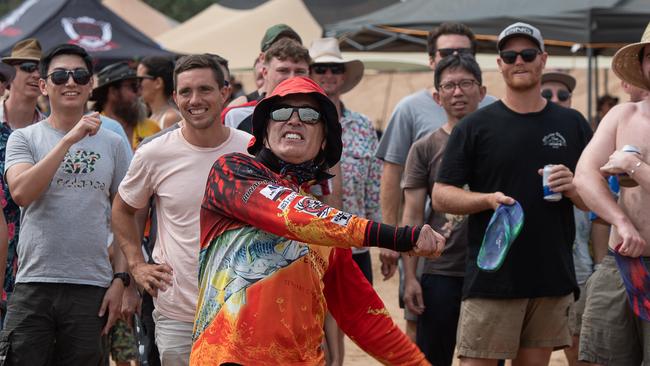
(323, 11)
(597, 24)
(86, 23)
(588, 27)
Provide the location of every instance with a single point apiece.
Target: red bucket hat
(300, 85)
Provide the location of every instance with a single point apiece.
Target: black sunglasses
(28, 66)
(444, 52)
(562, 95)
(320, 69)
(528, 55)
(307, 115)
(60, 77)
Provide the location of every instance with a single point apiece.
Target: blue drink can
(549, 194)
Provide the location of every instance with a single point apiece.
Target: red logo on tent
(91, 34)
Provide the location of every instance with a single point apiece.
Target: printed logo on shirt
(272, 192)
(81, 162)
(250, 190)
(555, 140)
(287, 201)
(313, 207)
(342, 218)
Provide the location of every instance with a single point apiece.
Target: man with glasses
(17, 111)
(436, 297)
(499, 152)
(557, 87)
(117, 96)
(63, 173)
(172, 170)
(413, 117)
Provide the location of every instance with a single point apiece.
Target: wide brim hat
(626, 63)
(560, 77)
(111, 74)
(26, 50)
(299, 85)
(327, 51)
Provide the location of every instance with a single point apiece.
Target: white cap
(521, 30)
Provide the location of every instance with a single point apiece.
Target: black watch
(125, 277)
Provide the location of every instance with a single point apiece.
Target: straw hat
(327, 51)
(627, 66)
(26, 50)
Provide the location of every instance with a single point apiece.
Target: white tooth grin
(70, 94)
(197, 111)
(292, 136)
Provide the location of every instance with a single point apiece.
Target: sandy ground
(388, 291)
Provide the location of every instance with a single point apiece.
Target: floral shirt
(361, 169)
(10, 208)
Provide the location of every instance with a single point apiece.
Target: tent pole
(596, 76)
(589, 100)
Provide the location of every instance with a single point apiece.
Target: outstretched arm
(362, 315)
(457, 201)
(238, 187)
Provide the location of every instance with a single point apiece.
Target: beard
(531, 81)
(129, 113)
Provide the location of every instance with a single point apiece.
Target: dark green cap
(277, 32)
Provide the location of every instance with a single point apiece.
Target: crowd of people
(151, 216)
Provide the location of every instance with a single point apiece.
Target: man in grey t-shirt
(63, 173)
(415, 116)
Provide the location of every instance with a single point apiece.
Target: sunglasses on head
(306, 115)
(320, 69)
(60, 77)
(562, 95)
(528, 55)
(28, 66)
(444, 52)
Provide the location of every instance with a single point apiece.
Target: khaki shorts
(575, 314)
(611, 334)
(497, 328)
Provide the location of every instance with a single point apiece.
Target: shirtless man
(611, 333)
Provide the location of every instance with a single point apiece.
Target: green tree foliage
(179, 10)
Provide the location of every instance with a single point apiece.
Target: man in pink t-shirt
(173, 169)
